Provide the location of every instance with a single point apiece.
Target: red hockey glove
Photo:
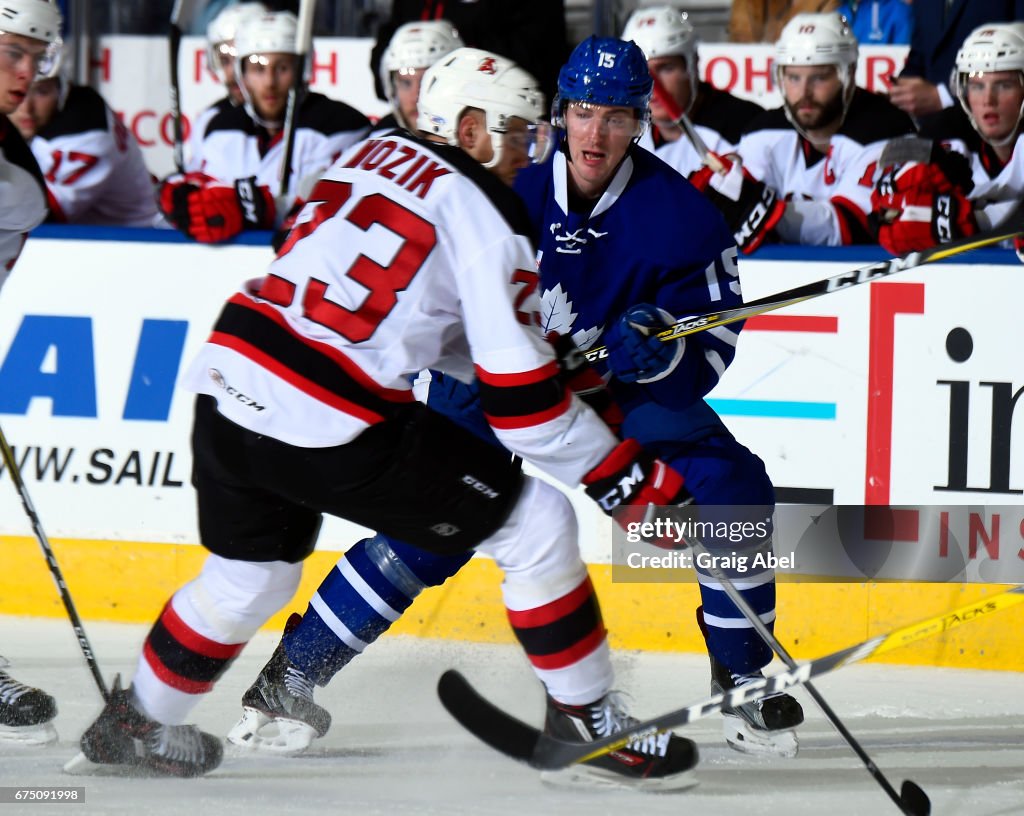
(1018, 246)
(215, 211)
(578, 375)
(629, 475)
(916, 206)
(174, 192)
(751, 208)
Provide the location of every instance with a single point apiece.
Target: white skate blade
(748, 740)
(41, 734)
(257, 732)
(589, 777)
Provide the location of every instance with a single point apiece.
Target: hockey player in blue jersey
(626, 246)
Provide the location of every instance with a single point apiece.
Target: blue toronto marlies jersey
(650, 238)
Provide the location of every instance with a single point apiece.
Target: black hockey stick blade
(516, 739)
(1010, 228)
(913, 800)
(486, 721)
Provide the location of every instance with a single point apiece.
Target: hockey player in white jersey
(409, 255)
(92, 164)
(29, 46)
(412, 49)
(670, 44)
(974, 178)
(820, 150)
(220, 60)
(220, 45)
(234, 169)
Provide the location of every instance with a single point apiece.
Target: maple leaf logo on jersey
(556, 315)
(488, 66)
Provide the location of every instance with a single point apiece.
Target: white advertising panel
(897, 392)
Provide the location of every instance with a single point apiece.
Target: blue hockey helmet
(605, 71)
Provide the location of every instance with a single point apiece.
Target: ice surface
(394, 750)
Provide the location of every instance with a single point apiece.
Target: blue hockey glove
(460, 403)
(635, 354)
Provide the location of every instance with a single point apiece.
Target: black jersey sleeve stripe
(306, 364)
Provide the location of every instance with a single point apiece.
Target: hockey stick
(679, 118)
(910, 799)
(516, 739)
(1010, 228)
(304, 46)
(51, 562)
(182, 10)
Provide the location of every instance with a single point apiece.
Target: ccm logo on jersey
(480, 487)
(245, 399)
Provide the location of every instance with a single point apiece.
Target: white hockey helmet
(471, 78)
(989, 48)
(220, 33)
(413, 46)
(818, 39)
(664, 31)
(38, 19)
(275, 32)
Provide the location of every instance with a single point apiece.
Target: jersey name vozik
(399, 163)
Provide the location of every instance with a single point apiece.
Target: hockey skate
(122, 737)
(25, 712)
(279, 715)
(763, 726)
(655, 762)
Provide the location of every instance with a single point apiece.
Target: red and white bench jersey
(197, 131)
(94, 170)
(998, 186)
(719, 119)
(231, 146)
(22, 200)
(829, 193)
(408, 255)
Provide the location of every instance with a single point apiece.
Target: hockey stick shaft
(1012, 227)
(554, 754)
(679, 117)
(304, 47)
(913, 800)
(181, 10)
(51, 562)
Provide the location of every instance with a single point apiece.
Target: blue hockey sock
(368, 590)
(730, 636)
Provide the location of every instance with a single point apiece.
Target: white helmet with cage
(989, 48)
(38, 19)
(412, 47)
(271, 33)
(818, 39)
(220, 33)
(471, 78)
